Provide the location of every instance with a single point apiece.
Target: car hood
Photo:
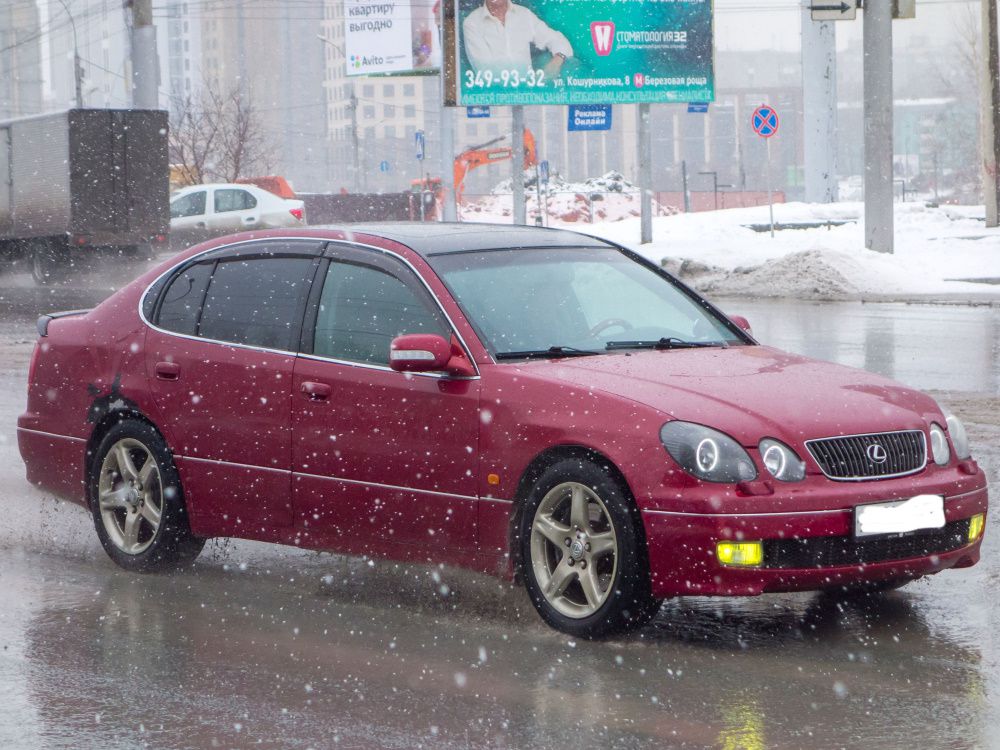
(751, 392)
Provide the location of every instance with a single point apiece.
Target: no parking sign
(764, 121)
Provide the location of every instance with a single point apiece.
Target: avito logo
(602, 33)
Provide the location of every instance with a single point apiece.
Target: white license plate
(900, 516)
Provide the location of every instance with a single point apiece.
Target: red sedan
(524, 402)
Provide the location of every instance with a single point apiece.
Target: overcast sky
(775, 24)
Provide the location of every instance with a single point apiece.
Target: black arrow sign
(842, 8)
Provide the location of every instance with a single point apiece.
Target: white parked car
(200, 212)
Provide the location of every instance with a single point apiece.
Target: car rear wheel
(137, 502)
(583, 554)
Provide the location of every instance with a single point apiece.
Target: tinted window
(362, 309)
(233, 200)
(256, 301)
(192, 204)
(182, 300)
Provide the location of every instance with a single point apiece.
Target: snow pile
(717, 252)
(610, 197)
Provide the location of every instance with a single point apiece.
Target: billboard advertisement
(391, 36)
(580, 51)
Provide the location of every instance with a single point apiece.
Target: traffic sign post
(764, 122)
(419, 142)
(834, 11)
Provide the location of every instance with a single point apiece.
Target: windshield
(525, 300)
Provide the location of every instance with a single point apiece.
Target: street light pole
(77, 68)
(716, 186)
(352, 106)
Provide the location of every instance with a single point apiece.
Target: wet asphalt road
(260, 646)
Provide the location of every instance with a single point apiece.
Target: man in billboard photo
(499, 35)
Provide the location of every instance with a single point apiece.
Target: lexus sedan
(531, 403)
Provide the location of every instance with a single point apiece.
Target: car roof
(442, 238)
(217, 185)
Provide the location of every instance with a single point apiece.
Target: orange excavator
(479, 156)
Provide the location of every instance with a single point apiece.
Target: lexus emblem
(876, 453)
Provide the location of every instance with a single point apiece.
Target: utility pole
(819, 106)
(77, 67)
(684, 187)
(145, 66)
(517, 162)
(990, 97)
(449, 210)
(877, 44)
(355, 146)
(645, 176)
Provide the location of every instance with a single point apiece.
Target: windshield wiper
(667, 342)
(550, 353)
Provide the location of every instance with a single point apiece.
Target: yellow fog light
(740, 553)
(976, 524)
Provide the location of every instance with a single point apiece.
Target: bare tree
(245, 148)
(194, 135)
(219, 136)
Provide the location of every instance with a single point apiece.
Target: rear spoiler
(43, 321)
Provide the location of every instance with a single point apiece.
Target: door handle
(316, 391)
(167, 370)
(249, 219)
(200, 225)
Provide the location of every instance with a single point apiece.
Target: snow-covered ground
(718, 253)
(607, 198)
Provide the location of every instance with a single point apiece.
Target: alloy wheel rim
(130, 496)
(574, 550)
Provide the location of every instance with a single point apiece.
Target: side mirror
(419, 352)
(742, 323)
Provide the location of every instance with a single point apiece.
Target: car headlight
(939, 445)
(781, 461)
(706, 453)
(959, 438)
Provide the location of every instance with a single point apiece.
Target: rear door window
(228, 199)
(181, 302)
(257, 301)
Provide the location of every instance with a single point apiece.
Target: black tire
(171, 544)
(49, 263)
(629, 603)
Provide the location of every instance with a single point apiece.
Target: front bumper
(803, 550)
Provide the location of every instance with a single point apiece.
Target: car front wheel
(137, 502)
(583, 554)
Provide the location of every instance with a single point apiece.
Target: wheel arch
(104, 413)
(549, 457)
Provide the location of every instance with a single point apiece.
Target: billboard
(579, 51)
(391, 36)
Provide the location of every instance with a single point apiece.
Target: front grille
(848, 458)
(839, 551)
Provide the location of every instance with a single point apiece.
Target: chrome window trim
(380, 485)
(324, 241)
(198, 459)
(328, 478)
(876, 477)
(52, 434)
